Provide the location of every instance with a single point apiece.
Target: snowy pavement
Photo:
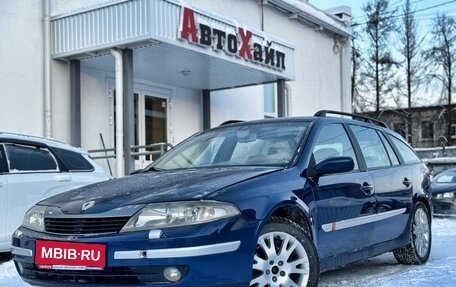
(381, 271)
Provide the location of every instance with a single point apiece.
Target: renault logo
(87, 205)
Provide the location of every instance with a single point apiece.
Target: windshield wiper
(153, 168)
(149, 169)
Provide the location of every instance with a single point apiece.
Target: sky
(428, 13)
(426, 10)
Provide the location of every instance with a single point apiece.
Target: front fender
(283, 193)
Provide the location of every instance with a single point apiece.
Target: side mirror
(333, 165)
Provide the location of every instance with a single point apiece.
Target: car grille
(125, 276)
(85, 225)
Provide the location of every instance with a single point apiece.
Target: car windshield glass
(446, 177)
(265, 144)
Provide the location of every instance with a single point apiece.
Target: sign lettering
(239, 44)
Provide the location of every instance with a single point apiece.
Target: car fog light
(172, 274)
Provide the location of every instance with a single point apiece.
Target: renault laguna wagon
(263, 203)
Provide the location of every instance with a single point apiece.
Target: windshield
(261, 144)
(448, 176)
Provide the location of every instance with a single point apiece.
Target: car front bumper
(217, 254)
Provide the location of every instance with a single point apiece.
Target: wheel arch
(294, 213)
(427, 204)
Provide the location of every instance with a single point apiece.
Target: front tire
(419, 247)
(285, 256)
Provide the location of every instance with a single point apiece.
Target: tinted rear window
(73, 160)
(3, 163)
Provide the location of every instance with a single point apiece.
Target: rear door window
(389, 149)
(372, 148)
(73, 160)
(23, 158)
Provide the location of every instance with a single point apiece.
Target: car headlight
(445, 195)
(34, 218)
(172, 214)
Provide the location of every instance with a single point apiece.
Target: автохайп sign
(240, 44)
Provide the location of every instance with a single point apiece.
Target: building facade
(120, 73)
(431, 126)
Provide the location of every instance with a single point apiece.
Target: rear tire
(285, 256)
(417, 251)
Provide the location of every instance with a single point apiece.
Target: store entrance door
(150, 125)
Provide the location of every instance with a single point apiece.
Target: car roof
(318, 117)
(35, 140)
(323, 116)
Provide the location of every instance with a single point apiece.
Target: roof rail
(323, 113)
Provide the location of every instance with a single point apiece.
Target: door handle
(1, 184)
(407, 182)
(367, 188)
(63, 178)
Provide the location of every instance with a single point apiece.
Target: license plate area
(69, 255)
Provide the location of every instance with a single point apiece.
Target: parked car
(33, 168)
(443, 188)
(271, 202)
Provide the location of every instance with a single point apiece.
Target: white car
(34, 168)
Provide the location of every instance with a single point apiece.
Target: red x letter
(244, 50)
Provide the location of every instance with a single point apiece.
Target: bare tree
(356, 80)
(378, 73)
(441, 58)
(410, 49)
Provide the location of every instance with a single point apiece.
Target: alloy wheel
(280, 261)
(421, 232)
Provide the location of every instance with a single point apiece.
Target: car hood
(143, 188)
(437, 188)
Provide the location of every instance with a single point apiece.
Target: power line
(392, 7)
(416, 11)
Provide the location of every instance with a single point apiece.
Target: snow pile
(9, 276)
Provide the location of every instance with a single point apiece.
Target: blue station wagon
(272, 202)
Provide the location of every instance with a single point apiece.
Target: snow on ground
(383, 270)
(380, 271)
